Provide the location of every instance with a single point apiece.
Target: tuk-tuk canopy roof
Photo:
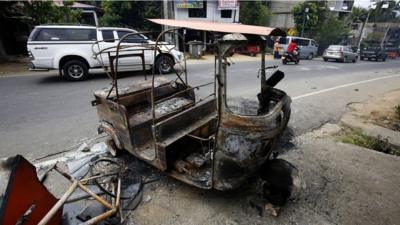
(221, 27)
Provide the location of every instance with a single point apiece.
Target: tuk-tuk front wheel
(164, 64)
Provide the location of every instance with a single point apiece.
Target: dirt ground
(15, 65)
(379, 110)
(345, 184)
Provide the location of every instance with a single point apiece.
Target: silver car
(340, 53)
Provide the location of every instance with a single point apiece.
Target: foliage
(375, 36)
(358, 15)
(331, 31)
(254, 13)
(299, 15)
(43, 12)
(397, 111)
(355, 136)
(131, 14)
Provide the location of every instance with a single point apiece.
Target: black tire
(384, 59)
(284, 62)
(164, 64)
(296, 62)
(354, 60)
(361, 58)
(325, 59)
(75, 70)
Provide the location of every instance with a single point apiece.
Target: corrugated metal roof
(221, 27)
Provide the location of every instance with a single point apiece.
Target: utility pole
(305, 14)
(362, 30)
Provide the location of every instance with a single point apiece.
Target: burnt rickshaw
(200, 141)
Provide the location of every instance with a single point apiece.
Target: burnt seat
(162, 110)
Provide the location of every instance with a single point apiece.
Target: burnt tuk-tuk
(198, 140)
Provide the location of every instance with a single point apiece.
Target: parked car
(375, 52)
(308, 47)
(340, 53)
(251, 50)
(69, 49)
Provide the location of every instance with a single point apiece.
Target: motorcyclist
(292, 49)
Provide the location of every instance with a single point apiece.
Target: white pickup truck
(70, 50)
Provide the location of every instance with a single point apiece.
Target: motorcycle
(291, 57)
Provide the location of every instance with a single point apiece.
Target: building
(225, 11)
(282, 16)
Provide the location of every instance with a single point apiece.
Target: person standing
(276, 49)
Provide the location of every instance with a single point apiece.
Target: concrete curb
(372, 130)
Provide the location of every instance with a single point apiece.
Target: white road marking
(342, 86)
(304, 68)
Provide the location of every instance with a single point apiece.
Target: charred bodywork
(200, 141)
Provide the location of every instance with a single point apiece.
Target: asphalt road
(42, 114)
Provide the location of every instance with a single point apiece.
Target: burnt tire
(164, 64)
(75, 70)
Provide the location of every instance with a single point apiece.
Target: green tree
(254, 13)
(358, 15)
(131, 14)
(310, 22)
(43, 12)
(331, 31)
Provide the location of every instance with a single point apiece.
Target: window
(58, 34)
(108, 35)
(302, 42)
(313, 43)
(226, 13)
(283, 41)
(199, 13)
(135, 38)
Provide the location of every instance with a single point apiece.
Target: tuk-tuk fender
(109, 129)
(244, 144)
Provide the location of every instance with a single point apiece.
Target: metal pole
(362, 31)
(302, 28)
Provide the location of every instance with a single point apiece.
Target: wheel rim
(75, 71)
(165, 65)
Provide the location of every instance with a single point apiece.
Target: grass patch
(397, 111)
(356, 137)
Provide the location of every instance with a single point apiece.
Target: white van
(69, 49)
(308, 47)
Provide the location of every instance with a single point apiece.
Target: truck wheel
(75, 70)
(164, 64)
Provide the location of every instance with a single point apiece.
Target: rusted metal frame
(116, 61)
(153, 70)
(183, 91)
(184, 66)
(200, 138)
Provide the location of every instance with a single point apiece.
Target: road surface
(42, 114)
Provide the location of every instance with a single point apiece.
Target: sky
(362, 3)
